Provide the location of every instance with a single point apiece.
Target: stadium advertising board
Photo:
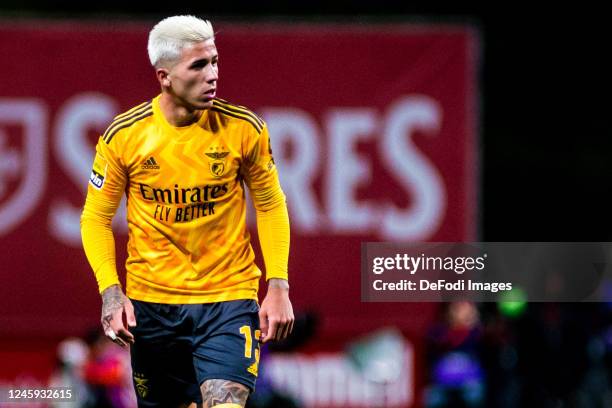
(373, 130)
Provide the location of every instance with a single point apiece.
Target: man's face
(193, 79)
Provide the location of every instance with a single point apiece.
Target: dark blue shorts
(178, 347)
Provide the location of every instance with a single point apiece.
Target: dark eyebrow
(203, 60)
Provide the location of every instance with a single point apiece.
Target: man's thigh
(162, 359)
(226, 351)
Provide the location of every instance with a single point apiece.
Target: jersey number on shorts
(248, 347)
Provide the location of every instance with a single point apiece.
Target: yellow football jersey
(186, 207)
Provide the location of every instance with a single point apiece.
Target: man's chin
(204, 104)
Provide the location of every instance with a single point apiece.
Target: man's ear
(163, 76)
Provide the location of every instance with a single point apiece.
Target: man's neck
(175, 114)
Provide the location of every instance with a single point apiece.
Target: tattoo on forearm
(112, 300)
(278, 283)
(216, 392)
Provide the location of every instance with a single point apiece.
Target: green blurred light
(513, 303)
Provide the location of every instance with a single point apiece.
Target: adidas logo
(150, 164)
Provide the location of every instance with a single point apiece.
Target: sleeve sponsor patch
(98, 172)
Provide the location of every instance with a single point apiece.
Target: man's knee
(223, 394)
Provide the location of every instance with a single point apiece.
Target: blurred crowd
(97, 371)
(518, 354)
(505, 354)
(100, 375)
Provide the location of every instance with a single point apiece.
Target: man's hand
(276, 314)
(114, 304)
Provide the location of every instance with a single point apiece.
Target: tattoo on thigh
(216, 392)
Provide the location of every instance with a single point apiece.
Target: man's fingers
(287, 327)
(282, 329)
(129, 313)
(125, 335)
(119, 328)
(287, 330)
(120, 342)
(276, 329)
(115, 329)
(263, 326)
(114, 338)
(111, 335)
(271, 332)
(114, 305)
(291, 327)
(276, 333)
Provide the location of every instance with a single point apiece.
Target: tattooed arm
(114, 304)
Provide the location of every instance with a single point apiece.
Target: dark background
(544, 80)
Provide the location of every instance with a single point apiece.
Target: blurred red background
(374, 130)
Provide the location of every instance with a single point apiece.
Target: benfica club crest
(217, 165)
(23, 165)
(142, 386)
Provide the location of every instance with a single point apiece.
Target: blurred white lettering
(330, 380)
(416, 172)
(28, 167)
(344, 171)
(347, 170)
(75, 154)
(320, 171)
(299, 130)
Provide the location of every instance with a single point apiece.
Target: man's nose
(212, 74)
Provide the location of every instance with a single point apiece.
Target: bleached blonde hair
(168, 38)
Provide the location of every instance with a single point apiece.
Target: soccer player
(183, 160)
